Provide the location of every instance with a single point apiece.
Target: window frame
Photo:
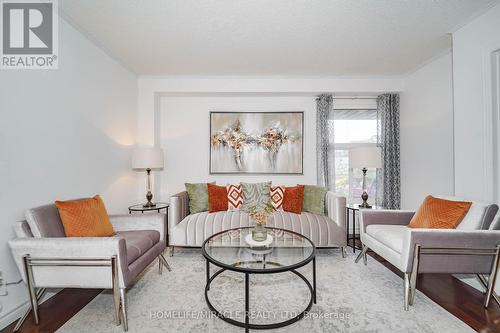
(347, 146)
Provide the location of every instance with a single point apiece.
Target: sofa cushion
(314, 199)
(195, 228)
(437, 213)
(390, 235)
(292, 201)
(85, 218)
(277, 196)
(217, 198)
(198, 197)
(256, 195)
(234, 196)
(44, 221)
(138, 242)
(479, 216)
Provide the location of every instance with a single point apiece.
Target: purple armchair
(47, 258)
(471, 248)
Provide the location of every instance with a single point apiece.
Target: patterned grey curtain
(324, 135)
(389, 177)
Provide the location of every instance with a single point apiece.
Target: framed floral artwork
(256, 142)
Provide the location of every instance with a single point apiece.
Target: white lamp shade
(147, 158)
(365, 157)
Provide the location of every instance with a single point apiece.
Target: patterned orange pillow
(234, 197)
(435, 213)
(292, 200)
(277, 196)
(217, 198)
(85, 218)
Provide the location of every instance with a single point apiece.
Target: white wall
(153, 91)
(184, 136)
(427, 133)
(473, 45)
(64, 133)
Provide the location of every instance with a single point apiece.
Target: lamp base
(365, 204)
(149, 204)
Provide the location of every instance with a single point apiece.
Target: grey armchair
(471, 248)
(48, 259)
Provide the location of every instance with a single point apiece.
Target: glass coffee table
(288, 251)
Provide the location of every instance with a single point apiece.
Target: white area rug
(350, 298)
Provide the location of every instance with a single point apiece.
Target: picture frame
(256, 142)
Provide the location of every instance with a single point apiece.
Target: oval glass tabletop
(140, 207)
(230, 250)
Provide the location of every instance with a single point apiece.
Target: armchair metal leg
(362, 254)
(171, 251)
(407, 291)
(343, 251)
(123, 301)
(116, 290)
(492, 278)
(484, 283)
(31, 288)
(21, 320)
(160, 266)
(163, 261)
(414, 273)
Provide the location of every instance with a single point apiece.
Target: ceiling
(272, 37)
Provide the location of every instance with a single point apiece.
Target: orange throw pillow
(85, 218)
(217, 198)
(435, 213)
(292, 200)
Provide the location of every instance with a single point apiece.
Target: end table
(352, 236)
(140, 208)
(159, 206)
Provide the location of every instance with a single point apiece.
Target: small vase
(259, 233)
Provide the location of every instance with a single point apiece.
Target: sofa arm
(179, 208)
(383, 216)
(449, 239)
(71, 248)
(335, 208)
(127, 222)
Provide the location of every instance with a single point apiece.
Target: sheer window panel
(353, 128)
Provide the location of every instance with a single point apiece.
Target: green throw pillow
(256, 195)
(314, 199)
(198, 197)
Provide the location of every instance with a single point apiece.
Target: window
(353, 128)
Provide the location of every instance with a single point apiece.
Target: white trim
(16, 313)
(487, 107)
(495, 89)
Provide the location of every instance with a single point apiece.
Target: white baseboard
(19, 310)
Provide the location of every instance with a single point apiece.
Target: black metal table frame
(158, 210)
(352, 235)
(248, 271)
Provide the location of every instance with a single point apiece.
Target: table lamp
(364, 158)
(147, 158)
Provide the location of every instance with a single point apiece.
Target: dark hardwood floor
(57, 310)
(457, 297)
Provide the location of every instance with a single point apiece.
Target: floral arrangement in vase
(260, 216)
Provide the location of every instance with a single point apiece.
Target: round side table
(140, 208)
(353, 208)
